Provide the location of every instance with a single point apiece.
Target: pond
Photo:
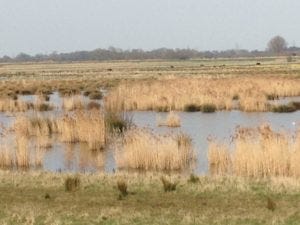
(199, 126)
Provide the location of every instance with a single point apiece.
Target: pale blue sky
(43, 26)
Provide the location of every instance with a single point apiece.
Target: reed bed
(172, 120)
(251, 93)
(71, 103)
(83, 126)
(142, 149)
(35, 125)
(11, 105)
(257, 152)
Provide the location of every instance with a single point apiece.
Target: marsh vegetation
(173, 140)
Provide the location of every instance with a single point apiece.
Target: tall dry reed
(74, 102)
(142, 149)
(257, 153)
(83, 126)
(172, 120)
(176, 93)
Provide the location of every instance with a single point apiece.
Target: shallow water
(199, 126)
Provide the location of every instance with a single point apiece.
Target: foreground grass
(40, 198)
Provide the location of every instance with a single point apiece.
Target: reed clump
(142, 149)
(117, 121)
(257, 152)
(83, 126)
(35, 125)
(74, 102)
(10, 105)
(172, 120)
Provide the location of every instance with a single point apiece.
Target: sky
(44, 26)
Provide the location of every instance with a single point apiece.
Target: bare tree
(277, 44)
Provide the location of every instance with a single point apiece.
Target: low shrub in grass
(208, 108)
(168, 185)
(271, 205)
(193, 178)
(72, 184)
(122, 187)
(192, 108)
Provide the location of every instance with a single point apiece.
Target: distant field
(150, 69)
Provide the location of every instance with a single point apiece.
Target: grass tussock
(168, 185)
(271, 205)
(122, 187)
(257, 152)
(172, 120)
(72, 184)
(141, 149)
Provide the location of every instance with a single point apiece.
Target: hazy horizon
(40, 26)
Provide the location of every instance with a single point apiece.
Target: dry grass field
(47, 198)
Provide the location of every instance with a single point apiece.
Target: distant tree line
(276, 46)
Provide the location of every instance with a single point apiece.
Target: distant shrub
(284, 108)
(191, 108)
(47, 196)
(95, 95)
(272, 96)
(208, 108)
(27, 92)
(235, 97)
(43, 107)
(296, 105)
